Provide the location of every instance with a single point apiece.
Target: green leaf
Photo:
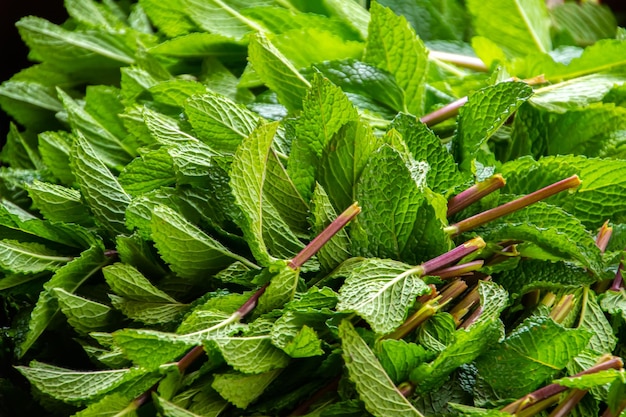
(589, 381)
(302, 343)
(325, 109)
(148, 172)
(58, 203)
(189, 251)
(399, 358)
(75, 386)
(70, 277)
(106, 198)
(552, 229)
(614, 302)
(201, 45)
(128, 282)
(424, 145)
(170, 409)
(164, 129)
(466, 344)
(401, 219)
(375, 388)
(485, 112)
(432, 20)
(337, 249)
(281, 290)
(19, 151)
(381, 292)
(535, 274)
(92, 14)
(84, 315)
(593, 320)
(29, 257)
(113, 405)
(73, 49)
(283, 195)
(242, 389)
(219, 122)
(585, 23)
(149, 312)
(106, 145)
(250, 354)
(604, 55)
(393, 46)
(54, 148)
(223, 18)
(343, 160)
(169, 17)
(262, 226)
(527, 27)
(367, 80)
(351, 13)
(598, 197)
(277, 72)
(533, 353)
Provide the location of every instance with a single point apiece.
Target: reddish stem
(458, 270)
(452, 256)
(304, 407)
(569, 403)
(512, 206)
(604, 235)
(474, 193)
(326, 234)
(448, 111)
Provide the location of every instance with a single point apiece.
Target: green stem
(604, 235)
(426, 311)
(458, 270)
(463, 61)
(320, 240)
(562, 308)
(446, 112)
(512, 206)
(475, 193)
(568, 403)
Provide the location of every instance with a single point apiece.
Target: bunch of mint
(315, 207)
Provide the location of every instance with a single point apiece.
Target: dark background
(14, 53)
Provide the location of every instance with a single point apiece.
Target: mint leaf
(532, 354)
(99, 187)
(58, 203)
(148, 172)
(527, 27)
(545, 225)
(29, 257)
(412, 227)
(337, 249)
(344, 158)
(535, 274)
(485, 112)
(242, 389)
(590, 380)
(393, 46)
(189, 251)
(424, 145)
(69, 278)
(219, 122)
(593, 320)
(54, 148)
(399, 358)
(465, 345)
(585, 23)
(217, 16)
(252, 354)
(381, 292)
(74, 386)
(597, 198)
(278, 73)
(375, 388)
(324, 110)
(614, 302)
(169, 17)
(84, 315)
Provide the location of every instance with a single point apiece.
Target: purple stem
(474, 193)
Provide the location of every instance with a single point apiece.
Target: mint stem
(618, 282)
(446, 112)
(604, 235)
(458, 270)
(304, 407)
(465, 305)
(474, 193)
(606, 362)
(326, 234)
(463, 61)
(512, 206)
(568, 403)
(562, 308)
(452, 256)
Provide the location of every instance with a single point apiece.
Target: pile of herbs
(179, 226)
